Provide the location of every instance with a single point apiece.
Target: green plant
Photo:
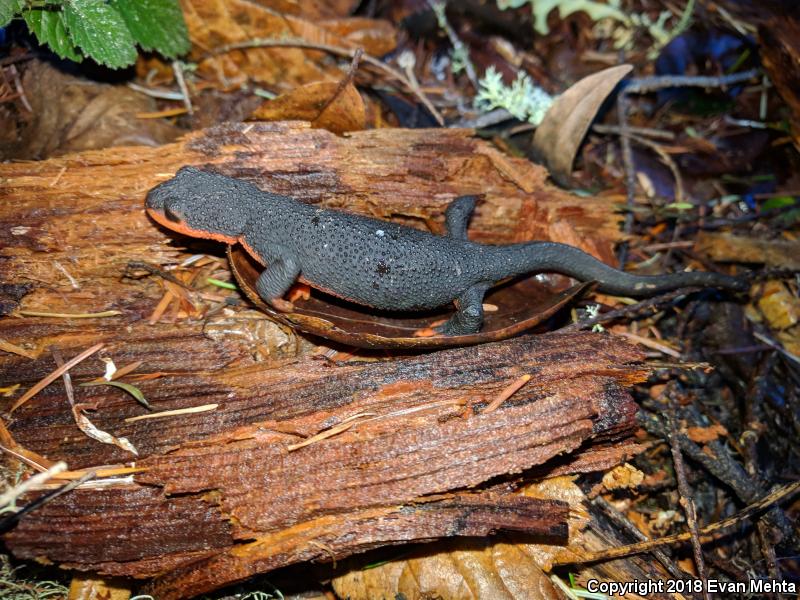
(14, 587)
(626, 22)
(522, 99)
(105, 31)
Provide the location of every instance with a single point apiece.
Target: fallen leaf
(213, 24)
(72, 114)
(90, 429)
(703, 435)
(322, 103)
(563, 128)
(623, 477)
(92, 587)
(779, 306)
(726, 247)
(464, 571)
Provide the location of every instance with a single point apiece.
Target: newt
(376, 263)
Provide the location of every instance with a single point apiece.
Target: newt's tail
(538, 257)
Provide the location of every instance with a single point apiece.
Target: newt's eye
(172, 215)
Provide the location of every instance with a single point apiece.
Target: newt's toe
(425, 332)
(299, 291)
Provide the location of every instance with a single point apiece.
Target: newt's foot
(299, 291)
(281, 305)
(425, 332)
(434, 329)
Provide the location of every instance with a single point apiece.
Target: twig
(137, 264)
(156, 93)
(624, 523)
(14, 349)
(9, 496)
(494, 117)
(335, 50)
(685, 493)
(646, 85)
(775, 346)
(630, 173)
(659, 134)
(172, 413)
(9, 521)
(507, 393)
(54, 375)
(652, 304)
(65, 376)
(97, 315)
(335, 430)
(345, 81)
(717, 460)
(177, 69)
(10, 60)
(621, 551)
(19, 88)
(652, 344)
(458, 46)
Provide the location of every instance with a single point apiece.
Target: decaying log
(246, 488)
(421, 432)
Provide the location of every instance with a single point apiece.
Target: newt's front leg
(277, 278)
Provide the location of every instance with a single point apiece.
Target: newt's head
(201, 204)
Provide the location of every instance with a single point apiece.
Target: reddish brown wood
(215, 481)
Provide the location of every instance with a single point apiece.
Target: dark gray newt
(376, 263)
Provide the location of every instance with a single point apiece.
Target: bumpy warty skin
(378, 263)
(371, 262)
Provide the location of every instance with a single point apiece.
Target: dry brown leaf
(11, 447)
(779, 306)
(88, 587)
(374, 36)
(790, 339)
(463, 570)
(703, 435)
(71, 114)
(94, 432)
(213, 24)
(623, 477)
(323, 104)
(727, 247)
(642, 522)
(561, 132)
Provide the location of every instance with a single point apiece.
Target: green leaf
(9, 9)
(156, 25)
(48, 27)
(131, 389)
(223, 284)
(680, 206)
(778, 202)
(98, 30)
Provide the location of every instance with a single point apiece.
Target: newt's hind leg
(457, 216)
(276, 279)
(469, 312)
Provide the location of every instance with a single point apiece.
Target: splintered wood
(207, 512)
(300, 458)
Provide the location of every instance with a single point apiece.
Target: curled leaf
(563, 128)
(90, 429)
(131, 389)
